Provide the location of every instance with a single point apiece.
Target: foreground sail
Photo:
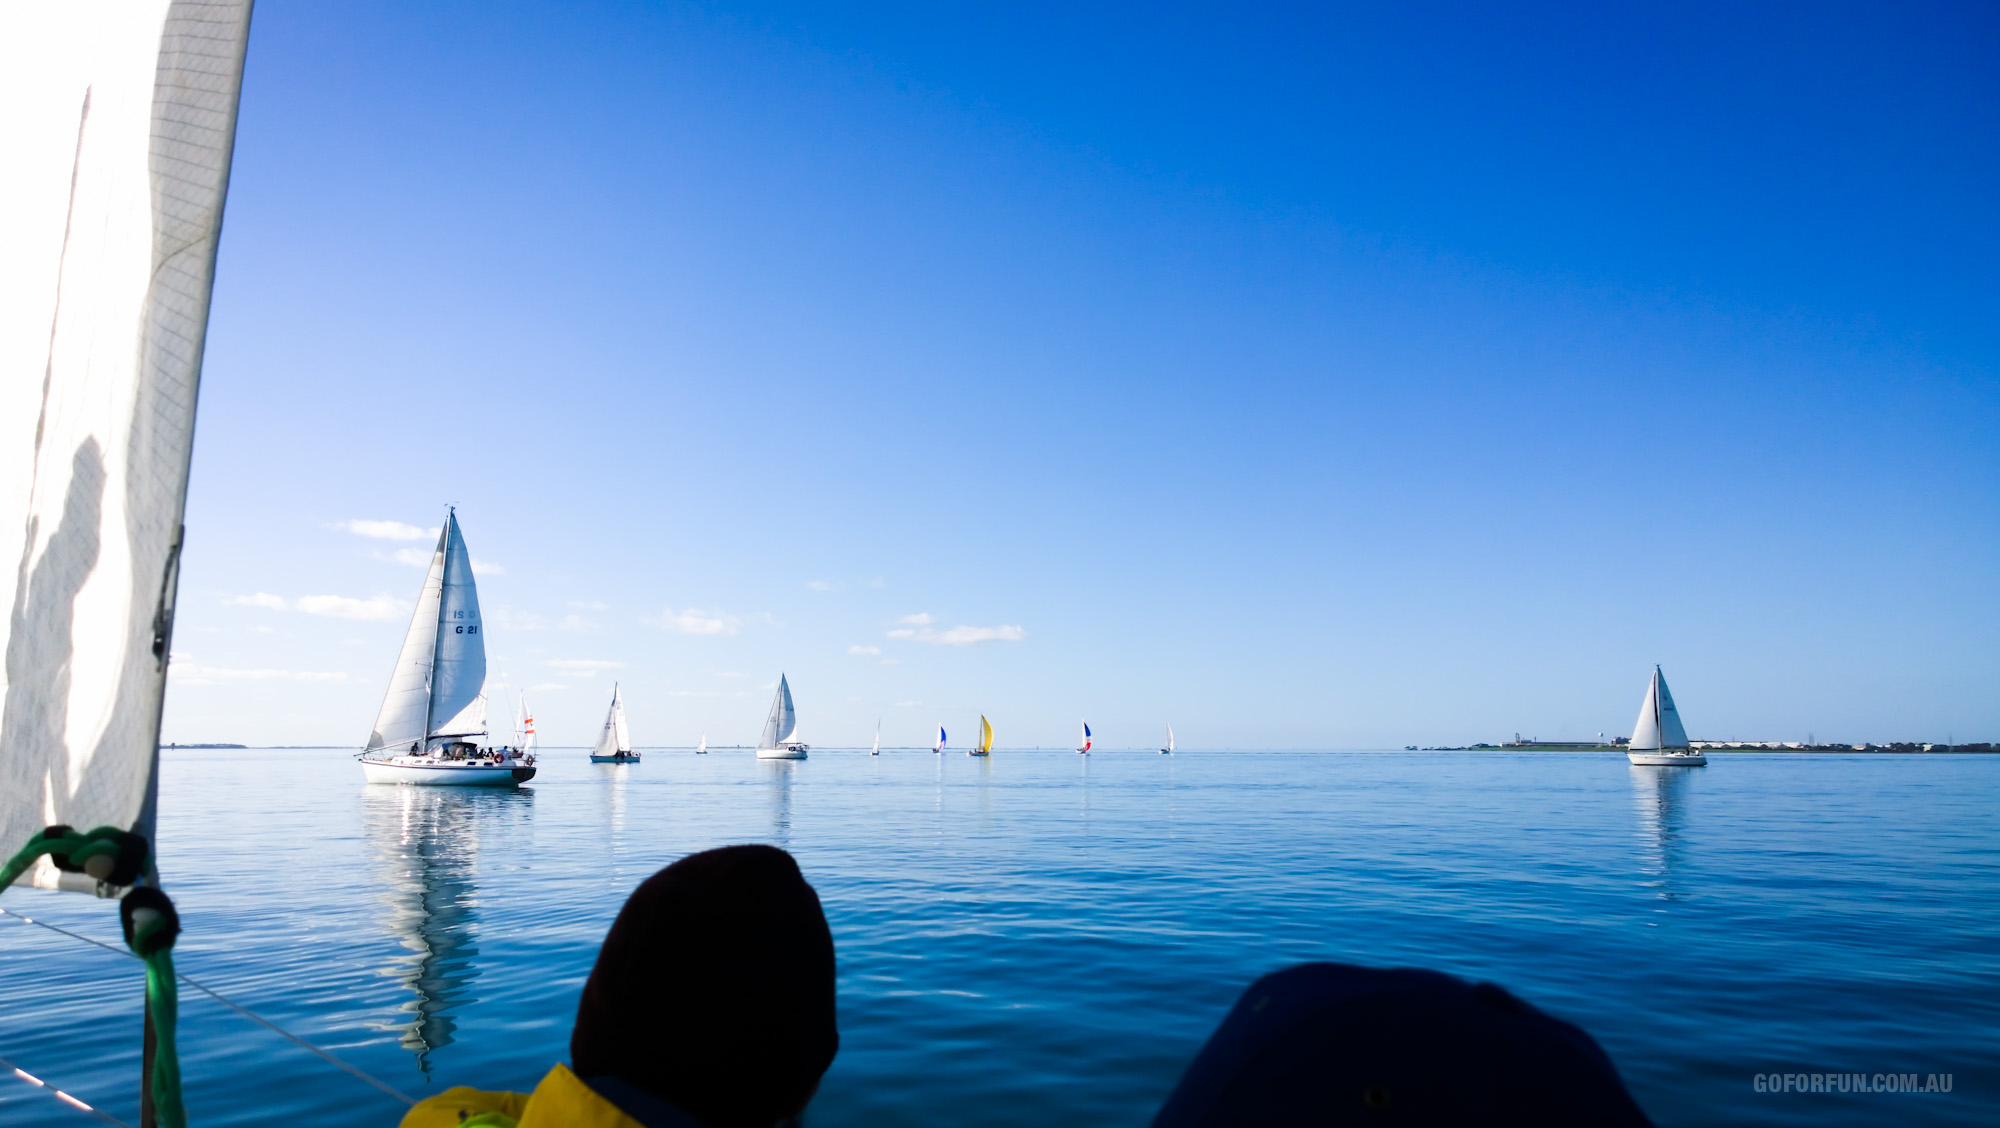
(118, 127)
(779, 740)
(1659, 740)
(435, 710)
(614, 745)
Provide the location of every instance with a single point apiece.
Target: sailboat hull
(781, 753)
(1667, 759)
(614, 759)
(446, 774)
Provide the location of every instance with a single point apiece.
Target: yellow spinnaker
(985, 734)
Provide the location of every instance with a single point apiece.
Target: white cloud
(386, 530)
(821, 585)
(865, 651)
(508, 619)
(960, 636)
(920, 619)
(588, 605)
(695, 621)
(905, 704)
(262, 629)
(414, 557)
(546, 686)
(577, 624)
(377, 609)
(184, 670)
(581, 667)
(261, 599)
(483, 568)
(730, 674)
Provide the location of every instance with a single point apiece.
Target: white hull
(781, 753)
(446, 774)
(1667, 759)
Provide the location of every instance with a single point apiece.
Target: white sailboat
(781, 729)
(524, 728)
(702, 748)
(1083, 749)
(877, 749)
(1659, 740)
(434, 712)
(939, 746)
(614, 744)
(119, 127)
(1169, 749)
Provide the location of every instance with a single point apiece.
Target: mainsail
(614, 741)
(435, 689)
(118, 131)
(783, 723)
(1659, 724)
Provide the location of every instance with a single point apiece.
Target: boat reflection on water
(1659, 798)
(780, 773)
(426, 843)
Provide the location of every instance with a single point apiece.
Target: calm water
(1045, 938)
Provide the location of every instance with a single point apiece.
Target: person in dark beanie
(711, 1006)
(1333, 1044)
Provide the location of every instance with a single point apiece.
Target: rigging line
(58, 1094)
(231, 1004)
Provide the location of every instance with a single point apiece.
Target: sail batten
(118, 134)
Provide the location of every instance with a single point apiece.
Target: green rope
(120, 858)
(163, 1003)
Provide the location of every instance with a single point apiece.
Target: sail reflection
(426, 843)
(1659, 797)
(780, 773)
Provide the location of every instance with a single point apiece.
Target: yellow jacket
(562, 1100)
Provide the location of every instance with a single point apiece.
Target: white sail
(434, 690)
(876, 749)
(702, 748)
(117, 133)
(1672, 735)
(614, 740)
(1170, 738)
(524, 727)
(457, 707)
(781, 727)
(1659, 724)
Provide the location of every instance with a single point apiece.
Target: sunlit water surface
(1043, 938)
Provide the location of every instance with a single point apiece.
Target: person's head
(1336, 1045)
(714, 990)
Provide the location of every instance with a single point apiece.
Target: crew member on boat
(711, 1006)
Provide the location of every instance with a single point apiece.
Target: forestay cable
(58, 1094)
(231, 1004)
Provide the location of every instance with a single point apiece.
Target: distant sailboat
(780, 738)
(1084, 748)
(435, 709)
(940, 742)
(702, 749)
(1169, 749)
(614, 744)
(524, 730)
(985, 745)
(877, 750)
(1659, 740)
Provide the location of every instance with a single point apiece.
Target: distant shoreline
(1901, 748)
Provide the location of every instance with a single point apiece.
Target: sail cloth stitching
(30, 1079)
(239, 1008)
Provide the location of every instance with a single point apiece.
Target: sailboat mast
(437, 642)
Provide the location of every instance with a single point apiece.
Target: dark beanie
(1332, 1044)
(714, 990)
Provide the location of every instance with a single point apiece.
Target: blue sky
(1317, 377)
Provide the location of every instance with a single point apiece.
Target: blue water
(1044, 938)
